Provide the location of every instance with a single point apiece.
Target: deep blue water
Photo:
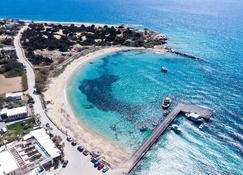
(117, 93)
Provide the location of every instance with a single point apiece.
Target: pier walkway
(204, 112)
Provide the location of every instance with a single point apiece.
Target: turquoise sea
(117, 93)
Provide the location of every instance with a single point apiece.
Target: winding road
(78, 163)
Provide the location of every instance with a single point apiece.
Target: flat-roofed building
(3, 128)
(7, 50)
(15, 95)
(43, 143)
(7, 115)
(8, 165)
(31, 156)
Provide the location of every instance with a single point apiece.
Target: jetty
(183, 54)
(204, 112)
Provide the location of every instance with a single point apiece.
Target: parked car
(101, 166)
(69, 139)
(74, 143)
(80, 148)
(97, 163)
(93, 160)
(31, 105)
(65, 163)
(105, 169)
(86, 152)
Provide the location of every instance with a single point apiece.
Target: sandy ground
(61, 114)
(10, 84)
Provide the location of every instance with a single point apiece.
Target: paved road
(78, 163)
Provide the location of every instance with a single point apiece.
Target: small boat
(166, 103)
(166, 112)
(155, 123)
(163, 69)
(143, 128)
(194, 117)
(175, 128)
(201, 126)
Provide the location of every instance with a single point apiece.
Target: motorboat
(166, 103)
(163, 69)
(175, 128)
(155, 123)
(194, 117)
(166, 112)
(201, 126)
(143, 128)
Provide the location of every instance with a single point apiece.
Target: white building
(13, 114)
(15, 95)
(11, 25)
(8, 164)
(30, 156)
(3, 128)
(40, 138)
(7, 49)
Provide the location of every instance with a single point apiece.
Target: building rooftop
(13, 94)
(4, 111)
(7, 163)
(45, 142)
(14, 111)
(8, 49)
(2, 125)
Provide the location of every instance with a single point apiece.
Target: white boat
(163, 69)
(201, 126)
(166, 103)
(194, 117)
(166, 112)
(175, 128)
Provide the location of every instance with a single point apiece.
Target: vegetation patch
(50, 47)
(17, 130)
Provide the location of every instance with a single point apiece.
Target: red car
(101, 166)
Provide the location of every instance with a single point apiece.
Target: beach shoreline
(61, 113)
(68, 23)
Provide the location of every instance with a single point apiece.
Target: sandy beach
(61, 113)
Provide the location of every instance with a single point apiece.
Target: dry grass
(10, 84)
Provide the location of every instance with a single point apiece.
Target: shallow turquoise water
(119, 92)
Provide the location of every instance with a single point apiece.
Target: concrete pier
(204, 112)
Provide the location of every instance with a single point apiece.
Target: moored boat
(175, 128)
(166, 103)
(143, 128)
(166, 112)
(163, 69)
(155, 123)
(201, 126)
(194, 117)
